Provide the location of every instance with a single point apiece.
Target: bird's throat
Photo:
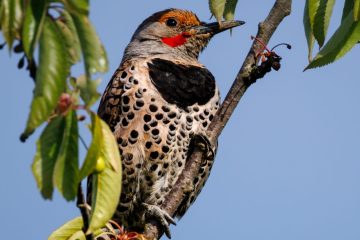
(177, 40)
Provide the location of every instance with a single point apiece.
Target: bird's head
(176, 33)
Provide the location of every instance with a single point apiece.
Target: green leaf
(66, 173)
(94, 151)
(356, 10)
(322, 19)
(94, 54)
(217, 8)
(1, 14)
(88, 89)
(77, 6)
(32, 27)
(70, 230)
(345, 37)
(229, 10)
(109, 147)
(106, 185)
(348, 6)
(11, 20)
(50, 77)
(103, 145)
(68, 31)
(308, 31)
(106, 189)
(48, 147)
(313, 6)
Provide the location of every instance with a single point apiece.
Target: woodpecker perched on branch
(159, 103)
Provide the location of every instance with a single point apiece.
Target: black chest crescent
(180, 84)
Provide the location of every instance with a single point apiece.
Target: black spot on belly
(139, 104)
(125, 109)
(134, 134)
(123, 75)
(146, 127)
(172, 127)
(155, 132)
(126, 100)
(130, 115)
(182, 133)
(165, 149)
(159, 116)
(154, 154)
(165, 108)
(124, 122)
(147, 118)
(153, 167)
(148, 145)
(154, 124)
(172, 115)
(153, 108)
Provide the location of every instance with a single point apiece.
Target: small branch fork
(244, 79)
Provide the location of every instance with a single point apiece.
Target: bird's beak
(215, 27)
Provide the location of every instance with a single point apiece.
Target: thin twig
(243, 80)
(85, 213)
(83, 142)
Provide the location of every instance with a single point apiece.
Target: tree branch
(244, 79)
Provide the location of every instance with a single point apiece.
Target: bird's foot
(203, 143)
(164, 219)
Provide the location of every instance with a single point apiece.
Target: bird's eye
(171, 22)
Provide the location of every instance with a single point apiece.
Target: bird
(158, 104)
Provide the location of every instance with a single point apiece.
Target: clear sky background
(288, 165)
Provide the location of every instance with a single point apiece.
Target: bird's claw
(202, 142)
(153, 211)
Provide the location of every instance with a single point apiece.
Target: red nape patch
(176, 41)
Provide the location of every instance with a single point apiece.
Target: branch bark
(243, 80)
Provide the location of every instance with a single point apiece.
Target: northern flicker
(158, 101)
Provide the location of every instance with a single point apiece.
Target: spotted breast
(155, 107)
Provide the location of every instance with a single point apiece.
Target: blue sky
(288, 162)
